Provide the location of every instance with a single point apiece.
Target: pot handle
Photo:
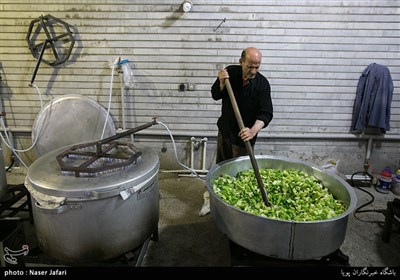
(58, 210)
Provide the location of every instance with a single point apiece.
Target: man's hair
(243, 56)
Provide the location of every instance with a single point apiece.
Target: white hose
(40, 96)
(8, 141)
(176, 155)
(9, 145)
(109, 101)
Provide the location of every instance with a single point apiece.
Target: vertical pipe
(192, 153)
(203, 163)
(369, 148)
(123, 104)
(367, 162)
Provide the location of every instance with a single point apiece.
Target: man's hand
(222, 76)
(246, 134)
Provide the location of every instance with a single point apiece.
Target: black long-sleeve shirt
(254, 102)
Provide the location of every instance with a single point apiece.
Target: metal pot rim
(44, 176)
(350, 208)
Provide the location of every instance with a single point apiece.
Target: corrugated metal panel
(314, 53)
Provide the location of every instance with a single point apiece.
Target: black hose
(11, 164)
(358, 209)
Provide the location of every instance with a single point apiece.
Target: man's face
(250, 67)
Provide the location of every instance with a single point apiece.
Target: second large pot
(287, 240)
(89, 219)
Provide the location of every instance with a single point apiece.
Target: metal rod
(215, 29)
(48, 35)
(120, 135)
(126, 133)
(39, 60)
(247, 143)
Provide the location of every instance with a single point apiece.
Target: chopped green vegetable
(293, 194)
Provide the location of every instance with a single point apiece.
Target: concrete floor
(189, 240)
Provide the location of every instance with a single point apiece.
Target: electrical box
(181, 87)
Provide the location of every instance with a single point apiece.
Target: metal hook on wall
(215, 29)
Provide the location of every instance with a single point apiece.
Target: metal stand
(15, 194)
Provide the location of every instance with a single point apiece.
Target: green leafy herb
(293, 194)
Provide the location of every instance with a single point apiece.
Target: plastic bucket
(384, 184)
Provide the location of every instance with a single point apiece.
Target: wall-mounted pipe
(350, 137)
(367, 162)
(194, 145)
(272, 136)
(192, 140)
(203, 160)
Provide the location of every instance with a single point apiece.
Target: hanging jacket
(373, 98)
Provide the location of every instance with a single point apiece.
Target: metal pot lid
(45, 176)
(70, 119)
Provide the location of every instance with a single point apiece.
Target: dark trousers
(226, 150)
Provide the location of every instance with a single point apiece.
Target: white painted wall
(314, 53)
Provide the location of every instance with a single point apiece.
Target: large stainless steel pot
(88, 219)
(287, 240)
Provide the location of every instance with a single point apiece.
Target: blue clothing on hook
(373, 98)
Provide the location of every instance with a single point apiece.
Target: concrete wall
(314, 53)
